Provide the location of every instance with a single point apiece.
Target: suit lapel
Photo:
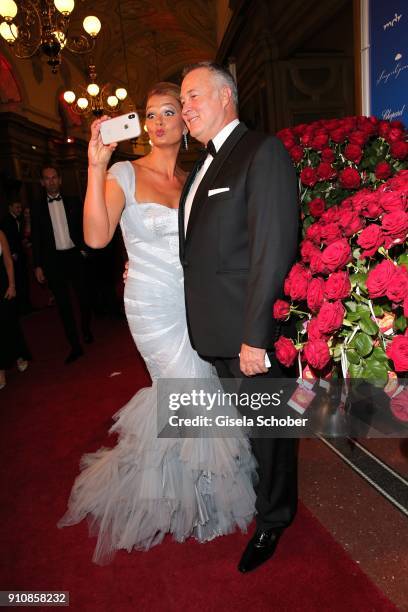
(212, 173)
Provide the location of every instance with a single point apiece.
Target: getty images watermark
(284, 408)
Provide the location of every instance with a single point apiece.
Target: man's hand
(125, 272)
(39, 275)
(252, 360)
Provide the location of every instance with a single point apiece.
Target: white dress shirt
(59, 222)
(218, 141)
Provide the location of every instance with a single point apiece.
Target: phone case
(120, 128)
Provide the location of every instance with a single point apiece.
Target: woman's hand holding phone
(98, 153)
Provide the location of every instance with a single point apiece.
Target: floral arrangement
(349, 291)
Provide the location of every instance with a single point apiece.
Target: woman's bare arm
(104, 200)
(8, 264)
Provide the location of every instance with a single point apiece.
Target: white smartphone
(120, 128)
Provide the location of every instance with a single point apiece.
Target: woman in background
(13, 347)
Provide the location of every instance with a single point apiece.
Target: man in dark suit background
(13, 226)
(238, 239)
(57, 239)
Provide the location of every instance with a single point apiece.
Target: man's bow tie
(55, 199)
(210, 148)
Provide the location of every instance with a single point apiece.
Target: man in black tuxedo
(13, 227)
(57, 238)
(238, 229)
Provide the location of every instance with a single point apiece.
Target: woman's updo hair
(164, 88)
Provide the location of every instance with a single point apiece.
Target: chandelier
(43, 24)
(95, 99)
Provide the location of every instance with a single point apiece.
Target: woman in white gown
(145, 487)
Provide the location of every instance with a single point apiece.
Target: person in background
(13, 227)
(57, 241)
(13, 347)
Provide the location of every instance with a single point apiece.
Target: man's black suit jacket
(240, 244)
(42, 233)
(14, 234)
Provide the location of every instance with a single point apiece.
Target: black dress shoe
(75, 354)
(88, 337)
(259, 549)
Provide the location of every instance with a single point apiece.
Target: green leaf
(352, 316)
(362, 343)
(376, 372)
(363, 309)
(378, 311)
(352, 357)
(356, 370)
(351, 305)
(403, 259)
(379, 354)
(368, 326)
(400, 324)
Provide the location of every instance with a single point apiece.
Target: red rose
(383, 171)
(394, 134)
(317, 353)
(316, 207)
(308, 177)
(373, 209)
(379, 278)
(336, 255)
(313, 233)
(320, 141)
(315, 294)
(395, 227)
(391, 201)
(285, 351)
(363, 199)
(298, 281)
(349, 178)
(328, 155)
(330, 317)
(281, 310)
(287, 138)
(358, 138)
(307, 249)
(338, 135)
(296, 153)
(397, 289)
(370, 239)
(399, 149)
(325, 171)
(338, 286)
(351, 222)
(398, 352)
(406, 310)
(313, 330)
(331, 215)
(354, 153)
(307, 138)
(330, 232)
(383, 128)
(316, 263)
(399, 406)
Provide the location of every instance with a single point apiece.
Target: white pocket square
(219, 190)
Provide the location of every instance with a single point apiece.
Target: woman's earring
(185, 141)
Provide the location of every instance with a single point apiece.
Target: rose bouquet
(336, 157)
(350, 288)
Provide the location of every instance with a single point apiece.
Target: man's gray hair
(222, 75)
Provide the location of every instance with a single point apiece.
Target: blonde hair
(164, 88)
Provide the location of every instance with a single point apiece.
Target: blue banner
(388, 27)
